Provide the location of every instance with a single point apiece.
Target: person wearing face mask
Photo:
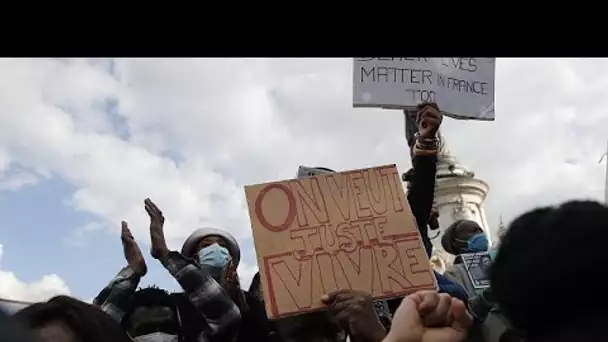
(218, 252)
(205, 311)
(464, 237)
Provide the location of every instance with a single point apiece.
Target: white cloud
(198, 130)
(79, 236)
(46, 287)
(17, 181)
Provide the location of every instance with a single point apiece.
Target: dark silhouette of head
(12, 331)
(154, 310)
(312, 327)
(66, 319)
(151, 310)
(544, 277)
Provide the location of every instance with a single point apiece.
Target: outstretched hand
(132, 252)
(429, 119)
(427, 316)
(157, 236)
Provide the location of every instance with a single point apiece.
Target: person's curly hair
(86, 321)
(544, 277)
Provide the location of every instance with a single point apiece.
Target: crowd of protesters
(546, 256)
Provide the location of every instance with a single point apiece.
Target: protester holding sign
(468, 242)
(421, 187)
(355, 311)
(424, 145)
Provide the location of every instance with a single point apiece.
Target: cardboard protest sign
(462, 87)
(477, 266)
(347, 230)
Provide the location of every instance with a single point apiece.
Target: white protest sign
(462, 87)
(478, 266)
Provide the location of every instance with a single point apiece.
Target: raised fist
(429, 119)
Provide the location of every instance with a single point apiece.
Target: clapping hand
(132, 252)
(159, 248)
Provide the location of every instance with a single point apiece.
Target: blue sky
(39, 226)
(83, 142)
(42, 222)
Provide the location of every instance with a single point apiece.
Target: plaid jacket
(220, 312)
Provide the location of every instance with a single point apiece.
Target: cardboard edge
(415, 224)
(450, 115)
(322, 175)
(430, 287)
(260, 261)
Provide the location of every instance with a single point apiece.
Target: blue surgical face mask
(214, 258)
(477, 243)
